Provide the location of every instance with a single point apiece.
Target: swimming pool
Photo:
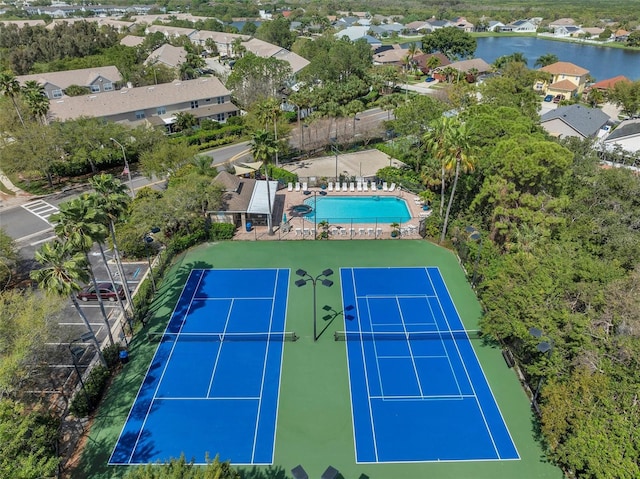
(358, 209)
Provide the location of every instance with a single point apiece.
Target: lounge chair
(352, 232)
(290, 187)
(392, 187)
(361, 231)
(359, 186)
(334, 231)
(344, 186)
(384, 186)
(352, 186)
(297, 186)
(330, 473)
(378, 232)
(365, 186)
(330, 186)
(369, 231)
(304, 187)
(298, 472)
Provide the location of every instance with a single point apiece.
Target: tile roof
(609, 82)
(566, 68)
(133, 99)
(466, 65)
(65, 79)
(563, 85)
(586, 121)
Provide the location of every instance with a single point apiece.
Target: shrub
(84, 403)
(221, 231)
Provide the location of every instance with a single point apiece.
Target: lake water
(602, 62)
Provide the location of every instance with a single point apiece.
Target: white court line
(424, 398)
(219, 352)
(200, 398)
(473, 389)
(146, 416)
(444, 347)
(366, 376)
(252, 298)
(415, 356)
(413, 361)
(264, 367)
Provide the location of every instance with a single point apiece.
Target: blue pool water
(358, 209)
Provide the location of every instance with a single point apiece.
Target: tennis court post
(307, 278)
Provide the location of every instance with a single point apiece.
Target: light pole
(545, 347)
(307, 278)
(126, 166)
(148, 239)
(335, 152)
(475, 235)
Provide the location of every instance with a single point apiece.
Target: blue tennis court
(212, 386)
(418, 392)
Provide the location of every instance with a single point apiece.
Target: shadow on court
(271, 472)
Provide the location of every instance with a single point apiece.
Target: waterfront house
(520, 26)
(567, 80)
(574, 121)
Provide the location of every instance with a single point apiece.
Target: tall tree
(37, 101)
(10, 88)
(450, 41)
(546, 59)
(263, 148)
(255, 78)
(114, 202)
(80, 225)
(61, 275)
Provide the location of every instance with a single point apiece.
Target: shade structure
(254, 166)
(258, 203)
(241, 170)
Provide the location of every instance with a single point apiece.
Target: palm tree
(80, 225)
(36, 99)
(267, 112)
(456, 151)
(61, 274)
(114, 202)
(546, 59)
(95, 200)
(434, 140)
(10, 87)
(263, 147)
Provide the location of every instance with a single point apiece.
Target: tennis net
(406, 336)
(222, 337)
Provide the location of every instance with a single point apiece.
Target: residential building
(153, 105)
(167, 55)
(567, 80)
(464, 25)
(521, 26)
(423, 60)
(568, 31)
(574, 121)
(97, 80)
(132, 41)
(475, 66)
(494, 26)
(561, 22)
(606, 85)
(626, 137)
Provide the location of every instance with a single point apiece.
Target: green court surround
(314, 425)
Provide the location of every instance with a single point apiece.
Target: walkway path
(7, 200)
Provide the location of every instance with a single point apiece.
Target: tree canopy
(451, 41)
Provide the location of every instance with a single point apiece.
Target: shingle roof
(168, 54)
(475, 63)
(586, 121)
(626, 128)
(65, 79)
(133, 99)
(131, 41)
(566, 68)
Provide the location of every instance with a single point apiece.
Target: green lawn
(314, 415)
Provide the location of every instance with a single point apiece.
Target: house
(464, 25)
(387, 29)
(413, 28)
(353, 33)
(168, 55)
(432, 24)
(494, 26)
(568, 31)
(244, 200)
(626, 137)
(151, 105)
(171, 32)
(98, 80)
(609, 83)
(561, 22)
(621, 35)
(567, 80)
(132, 41)
(574, 121)
(475, 66)
(390, 56)
(521, 26)
(423, 60)
(592, 31)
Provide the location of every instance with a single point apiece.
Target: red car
(106, 292)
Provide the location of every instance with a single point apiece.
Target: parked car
(106, 292)
(558, 99)
(429, 79)
(548, 98)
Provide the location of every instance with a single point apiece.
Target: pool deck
(298, 228)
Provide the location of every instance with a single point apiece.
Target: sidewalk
(9, 201)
